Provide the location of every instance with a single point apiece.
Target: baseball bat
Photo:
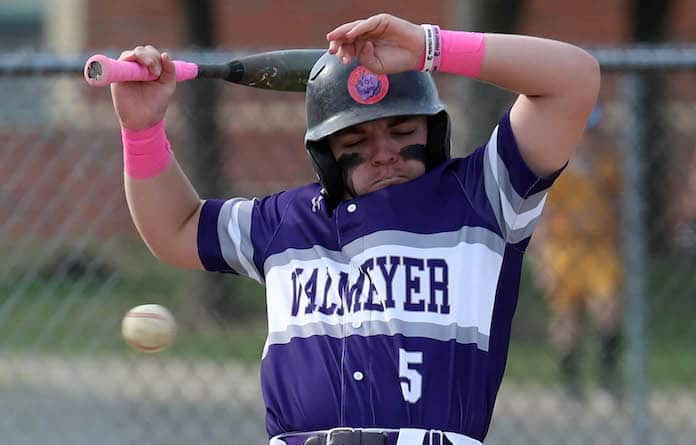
(282, 70)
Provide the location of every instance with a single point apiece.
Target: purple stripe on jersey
(208, 241)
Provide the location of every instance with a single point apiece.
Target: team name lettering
(416, 284)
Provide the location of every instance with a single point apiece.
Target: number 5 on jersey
(411, 380)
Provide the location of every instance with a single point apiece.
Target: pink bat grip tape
(101, 71)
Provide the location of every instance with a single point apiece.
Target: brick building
(258, 127)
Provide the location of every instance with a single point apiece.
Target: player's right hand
(140, 105)
(383, 43)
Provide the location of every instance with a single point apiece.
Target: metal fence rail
(621, 222)
(634, 58)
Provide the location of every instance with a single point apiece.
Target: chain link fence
(602, 347)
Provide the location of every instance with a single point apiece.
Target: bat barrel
(285, 70)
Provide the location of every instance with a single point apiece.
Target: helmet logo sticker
(366, 87)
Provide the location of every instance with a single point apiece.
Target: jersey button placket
(349, 227)
(356, 323)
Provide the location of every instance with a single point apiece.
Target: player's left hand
(383, 43)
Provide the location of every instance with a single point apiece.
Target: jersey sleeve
(515, 193)
(233, 234)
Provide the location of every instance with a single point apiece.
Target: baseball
(149, 327)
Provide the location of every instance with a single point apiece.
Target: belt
(373, 436)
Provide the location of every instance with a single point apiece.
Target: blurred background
(603, 340)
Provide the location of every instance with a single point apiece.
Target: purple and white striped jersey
(395, 310)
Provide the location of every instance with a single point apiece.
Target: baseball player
(391, 283)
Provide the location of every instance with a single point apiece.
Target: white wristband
(429, 47)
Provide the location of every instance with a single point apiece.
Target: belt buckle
(351, 436)
(342, 436)
(326, 438)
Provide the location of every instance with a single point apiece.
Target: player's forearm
(162, 202)
(540, 68)
(165, 210)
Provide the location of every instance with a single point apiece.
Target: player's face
(380, 153)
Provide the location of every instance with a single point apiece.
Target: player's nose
(385, 151)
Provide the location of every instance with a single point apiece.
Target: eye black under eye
(349, 160)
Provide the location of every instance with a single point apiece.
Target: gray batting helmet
(340, 96)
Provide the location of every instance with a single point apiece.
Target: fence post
(635, 257)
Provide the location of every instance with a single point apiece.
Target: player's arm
(558, 83)
(165, 209)
(163, 204)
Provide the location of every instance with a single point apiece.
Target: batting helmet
(340, 96)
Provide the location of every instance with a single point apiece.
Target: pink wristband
(462, 52)
(146, 153)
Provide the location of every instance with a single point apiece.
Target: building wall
(578, 22)
(263, 24)
(291, 23)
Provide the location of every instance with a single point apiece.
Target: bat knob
(97, 70)
(94, 70)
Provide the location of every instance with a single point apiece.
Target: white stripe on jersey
(234, 231)
(472, 278)
(514, 219)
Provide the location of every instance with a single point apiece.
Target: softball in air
(149, 327)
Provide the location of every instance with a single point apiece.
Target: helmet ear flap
(329, 172)
(438, 145)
